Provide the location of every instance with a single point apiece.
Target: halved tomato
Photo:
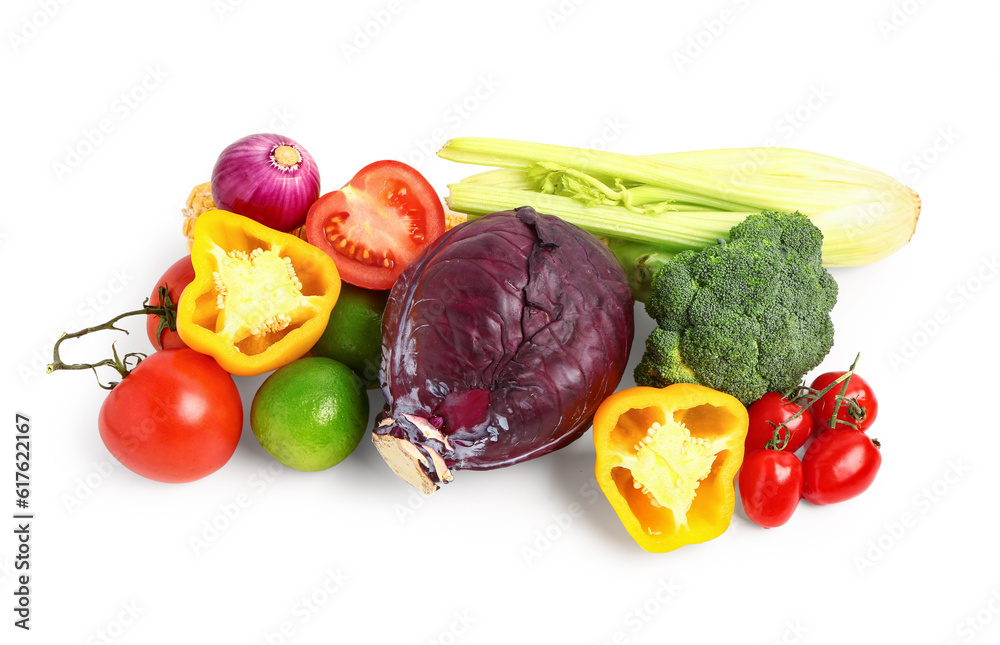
(377, 224)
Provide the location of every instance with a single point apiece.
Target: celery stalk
(649, 207)
(729, 189)
(677, 232)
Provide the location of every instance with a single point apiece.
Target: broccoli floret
(747, 316)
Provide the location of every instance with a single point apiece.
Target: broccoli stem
(640, 261)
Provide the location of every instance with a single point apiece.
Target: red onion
(268, 178)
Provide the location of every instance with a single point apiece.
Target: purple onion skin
(246, 181)
(506, 334)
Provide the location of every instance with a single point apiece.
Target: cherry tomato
(377, 224)
(838, 465)
(176, 417)
(179, 275)
(858, 389)
(772, 407)
(770, 486)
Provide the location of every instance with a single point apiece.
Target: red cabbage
(498, 344)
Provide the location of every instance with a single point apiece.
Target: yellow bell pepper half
(666, 460)
(260, 298)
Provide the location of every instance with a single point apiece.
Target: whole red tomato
(774, 408)
(770, 486)
(377, 224)
(838, 465)
(179, 275)
(176, 417)
(858, 408)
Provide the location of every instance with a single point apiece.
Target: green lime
(354, 334)
(310, 414)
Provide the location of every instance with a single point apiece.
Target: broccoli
(747, 316)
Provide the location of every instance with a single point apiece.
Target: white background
(532, 552)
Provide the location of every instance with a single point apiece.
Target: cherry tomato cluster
(839, 463)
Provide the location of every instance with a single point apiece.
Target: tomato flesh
(377, 224)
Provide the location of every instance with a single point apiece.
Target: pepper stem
(168, 320)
